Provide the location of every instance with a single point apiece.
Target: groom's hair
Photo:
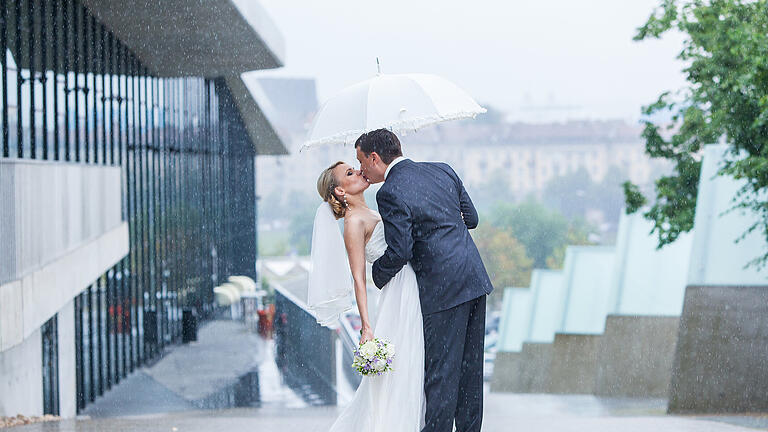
(381, 141)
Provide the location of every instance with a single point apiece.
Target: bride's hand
(366, 334)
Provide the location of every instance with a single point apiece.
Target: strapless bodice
(376, 245)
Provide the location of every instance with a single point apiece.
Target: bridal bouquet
(374, 357)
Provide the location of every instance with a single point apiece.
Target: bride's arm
(354, 239)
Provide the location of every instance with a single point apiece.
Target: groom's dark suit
(427, 215)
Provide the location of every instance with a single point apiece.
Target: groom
(427, 215)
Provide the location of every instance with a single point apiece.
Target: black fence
(50, 350)
(304, 351)
(73, 92)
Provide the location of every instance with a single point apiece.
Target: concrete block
(587, 277)
(506, 371)
(67, 381)
(11, 315)
(27, 303)
(716, 257)
(534, 370)
(573, 367)
(721, 358)
(638, 291)
(636, 354)
(546, 309)
(515, 319)
(21, 382)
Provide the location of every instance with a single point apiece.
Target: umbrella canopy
(400, 103)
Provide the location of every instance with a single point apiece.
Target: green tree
(577, 235)
(300, 228)
(538, 228)
(505, 259)
(726, 98)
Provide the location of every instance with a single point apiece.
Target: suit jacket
(421, 204)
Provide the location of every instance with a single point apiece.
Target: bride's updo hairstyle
(326, 183)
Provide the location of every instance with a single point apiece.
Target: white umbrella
(400, 103)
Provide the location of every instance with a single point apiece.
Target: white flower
(380, 365)
(390, 350)
(368, 350)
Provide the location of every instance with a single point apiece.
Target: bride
(393, 401)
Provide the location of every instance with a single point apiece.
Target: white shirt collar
(394, 162)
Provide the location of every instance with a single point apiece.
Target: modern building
(127, 183)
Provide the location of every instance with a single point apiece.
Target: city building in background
(497, 160)
(529, 156)
(127, 183)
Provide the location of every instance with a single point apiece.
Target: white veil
(330, 292)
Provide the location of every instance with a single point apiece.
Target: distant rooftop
(476, 132)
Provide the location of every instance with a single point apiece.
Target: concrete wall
(52, 208)
(21, 378)
(587, 276)
(637, 348)
(532, 375)
(527, 315)
(28, 303)
(721, 360)
(61, 227)
(638, 291)
(515, 319)
(547, 292)
(21, 371)
(67, 377)
(636, 354)
(506, 371)
(573, 365)
(716, 258)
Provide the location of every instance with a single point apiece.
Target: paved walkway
(507, 413)
(161, 399)
(189, 376)
(224, 351)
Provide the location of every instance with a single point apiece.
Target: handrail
(345, 333)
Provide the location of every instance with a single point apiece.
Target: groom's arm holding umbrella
(396, 217)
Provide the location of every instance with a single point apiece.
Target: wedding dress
(393, 401)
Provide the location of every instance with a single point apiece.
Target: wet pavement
(138, 394)
(198, 375)
(504, 412)
(150, 401)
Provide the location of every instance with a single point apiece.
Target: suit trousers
(453, 366)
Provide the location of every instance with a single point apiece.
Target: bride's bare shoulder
(359, 226)
(354, 224)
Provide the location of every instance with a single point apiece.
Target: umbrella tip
(378, 66)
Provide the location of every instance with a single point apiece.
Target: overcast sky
(538, 60)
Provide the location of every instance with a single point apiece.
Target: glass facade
(72, 92)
